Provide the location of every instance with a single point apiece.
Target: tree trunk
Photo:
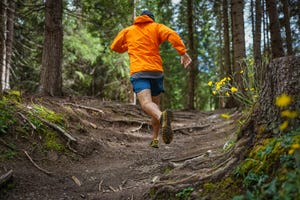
(228, 69)
(193, 65)
(226, 38)
(266, 32)
(51, 74)
(132, 95)
(252, 16)
(1, 46)
(238, 43)
(287, 26)
(257, 41)
(276, 41)
(9, 42)
(3, 43)
(282, 76)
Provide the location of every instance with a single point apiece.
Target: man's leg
(155, 122)
(151, 106)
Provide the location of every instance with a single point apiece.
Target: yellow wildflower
(218, 86)
(284, 125)
(228, 79)
(251, 62)
(227, 94)
(234, 89)
(214, 92)
(223, 80)
(210, 83)
(289, 114)
(291, 151)
(251, 89)
(283, 100)
(293, 148)
(225, 116)
(242, 71)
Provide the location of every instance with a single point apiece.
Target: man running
(142, 41)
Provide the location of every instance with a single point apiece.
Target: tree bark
(238, 43)
(1, 47)
(9, 42)
(266, 32)
(287, 26)
(3, 34)
(252, 17)
(257, 40)
(227, 56)
(276, 41)
(282, 76)
(51, 74)
(193, 65)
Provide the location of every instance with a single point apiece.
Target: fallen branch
(86, 107)
(69, 146)
(125, 121)
(57, 128)
(130, 187)
(122, 185)
(43, 170)
(26, 119)
(132, 112)
(76, 180)
(6, 177)
(100, 185)
(138, 128)
(113, 189)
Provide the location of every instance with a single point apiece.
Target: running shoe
(165, 122)
(154, 143)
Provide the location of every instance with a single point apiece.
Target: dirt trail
(113, 159)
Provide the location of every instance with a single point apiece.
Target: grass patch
(52, 142)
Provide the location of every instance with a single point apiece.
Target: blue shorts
(155, 85)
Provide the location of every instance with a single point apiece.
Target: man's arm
(172, 36)
(119, 44)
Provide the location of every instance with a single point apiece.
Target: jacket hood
(142, 19)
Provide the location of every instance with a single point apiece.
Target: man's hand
(185, 60)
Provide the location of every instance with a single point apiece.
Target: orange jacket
(142, 40)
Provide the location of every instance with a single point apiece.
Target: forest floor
(111, 158)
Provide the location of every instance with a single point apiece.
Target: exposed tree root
(188, 129)
(6, 177)
(27, 120)
(41, 169)
(58, 129)
(86, 108)
(197, 170)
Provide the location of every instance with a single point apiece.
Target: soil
(111, 158)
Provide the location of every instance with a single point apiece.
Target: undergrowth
(7, 111)
(220, 190)
(272, 170)
(16, 120)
